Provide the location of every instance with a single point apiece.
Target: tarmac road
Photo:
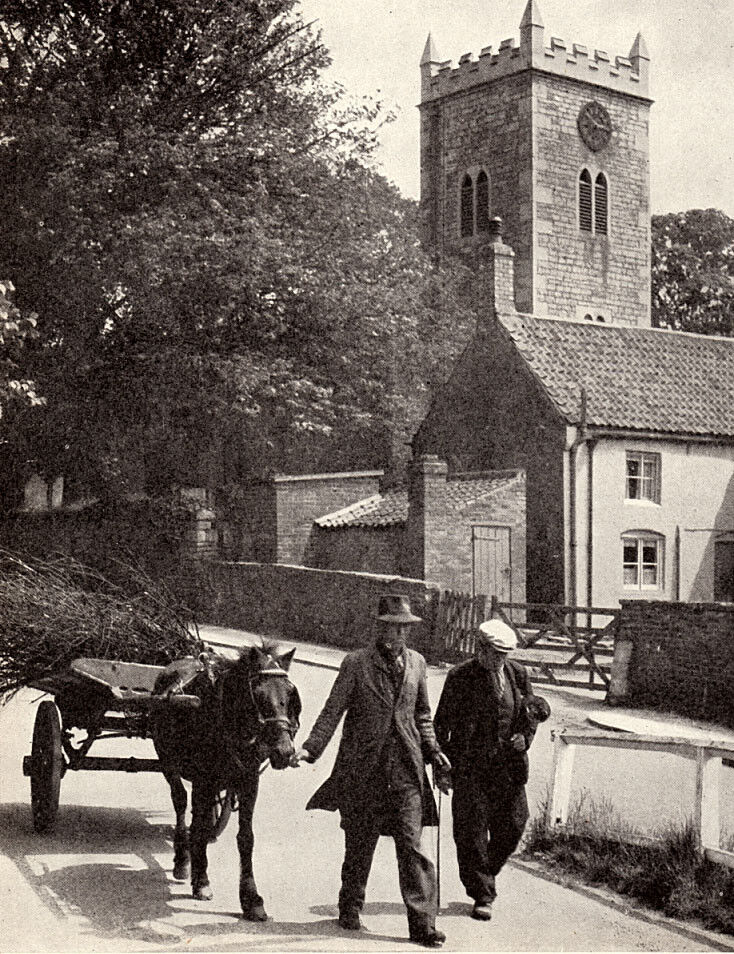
(102, 881)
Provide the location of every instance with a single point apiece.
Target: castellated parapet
(626, 74)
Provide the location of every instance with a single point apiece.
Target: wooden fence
(562, 645)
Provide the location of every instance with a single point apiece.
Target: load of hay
(54, 611)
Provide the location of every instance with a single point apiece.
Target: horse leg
(203, 794)
(181, 859)
(250, 900)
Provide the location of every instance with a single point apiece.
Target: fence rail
(708, 755)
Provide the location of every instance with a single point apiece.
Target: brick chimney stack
(426, 507)
(501, 271)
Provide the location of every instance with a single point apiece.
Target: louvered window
(467, 206)
(585, 201)
(482, 202)
(600, 205)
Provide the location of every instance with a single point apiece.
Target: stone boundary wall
(675, 656)
(327, 607)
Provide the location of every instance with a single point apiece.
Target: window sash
(642, 563)
(643, 476)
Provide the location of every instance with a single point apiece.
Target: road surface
(102, 881)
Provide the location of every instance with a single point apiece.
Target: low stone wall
(675, 656)
(328, 607)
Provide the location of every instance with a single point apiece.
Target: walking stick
(438, 855)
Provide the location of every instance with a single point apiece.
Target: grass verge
(667, 874)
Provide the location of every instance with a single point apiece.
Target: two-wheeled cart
(96, 699)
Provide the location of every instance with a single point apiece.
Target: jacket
(363, 689)
(466, 721)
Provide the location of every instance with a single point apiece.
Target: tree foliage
(218, 269)
(693, 271)
(15, 330)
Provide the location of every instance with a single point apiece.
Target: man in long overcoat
(379, 782)
(485, 721)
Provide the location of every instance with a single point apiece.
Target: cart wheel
(46, 766)
(223, 807)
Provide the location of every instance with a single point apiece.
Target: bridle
(290, 725)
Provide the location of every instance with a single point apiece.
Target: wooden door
(491, 563)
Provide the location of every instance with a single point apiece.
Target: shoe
(482, 911)
(429, 939)
(349, 920)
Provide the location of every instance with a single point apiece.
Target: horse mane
(242, 660)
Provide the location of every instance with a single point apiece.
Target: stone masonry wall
(578, 272)
(362, 549)
(490, 128)
(676, 656)
(492, 416)
(327, 607)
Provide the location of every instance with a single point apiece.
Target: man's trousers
(401, 814)
(482, 807)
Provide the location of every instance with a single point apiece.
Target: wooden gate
(562, 644)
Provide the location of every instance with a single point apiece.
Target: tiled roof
(390, 508)
(635, 378)
(379, 510)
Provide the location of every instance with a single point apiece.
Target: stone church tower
(553, 139)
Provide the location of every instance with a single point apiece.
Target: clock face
(595, 126)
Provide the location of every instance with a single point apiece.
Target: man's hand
(301, 755)
(442, 773)
(517, 742)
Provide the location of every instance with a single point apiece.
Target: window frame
(653, 481)
(643, 539)
(585, 182)
(601, 178)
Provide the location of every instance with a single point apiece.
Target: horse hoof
(182, 871)
(202, 893)
(256, 913)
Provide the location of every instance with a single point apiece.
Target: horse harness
(290, 725)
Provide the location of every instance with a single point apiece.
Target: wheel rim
(222, 810)
(46, 766)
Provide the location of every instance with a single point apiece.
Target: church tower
(553, 139)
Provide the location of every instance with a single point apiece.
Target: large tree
(214, 261)
(693, 271)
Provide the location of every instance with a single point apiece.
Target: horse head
(275, 701)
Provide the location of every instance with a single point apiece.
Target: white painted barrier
(708, 757)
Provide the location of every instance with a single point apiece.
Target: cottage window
(585, 201)
(642, 560)
(643, 476)
(482, 202)
(467, 206)
(600, 205)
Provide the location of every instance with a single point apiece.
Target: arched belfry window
(601, 205)
(585, 202)
(482, 202)
(467, 206)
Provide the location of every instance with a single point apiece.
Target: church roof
(642, 379)
(390, 508)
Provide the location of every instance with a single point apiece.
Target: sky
(376, 47)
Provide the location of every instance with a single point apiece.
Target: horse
(248, 712)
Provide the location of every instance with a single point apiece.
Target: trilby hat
(395, 608)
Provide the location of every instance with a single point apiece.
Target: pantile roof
(390, 508)
(635, 378)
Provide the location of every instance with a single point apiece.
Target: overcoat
(364, 690)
